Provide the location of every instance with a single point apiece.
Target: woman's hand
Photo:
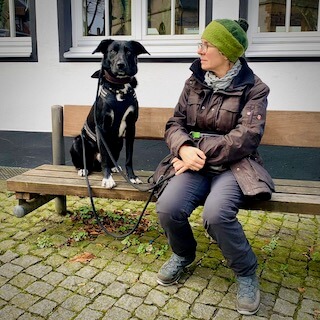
(191, 158)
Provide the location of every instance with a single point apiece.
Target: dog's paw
(116, 169)
(136, 180)
(108, 183)
(82, 172)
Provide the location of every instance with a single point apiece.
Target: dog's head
(120, 57)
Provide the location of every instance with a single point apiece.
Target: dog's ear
(138, 48)
(103, 46)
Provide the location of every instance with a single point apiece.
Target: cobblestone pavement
(51, 269)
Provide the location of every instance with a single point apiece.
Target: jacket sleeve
(177, 133)
(245, 138)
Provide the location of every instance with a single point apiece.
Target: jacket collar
(245, 76)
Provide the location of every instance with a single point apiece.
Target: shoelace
(246, 288)
(173, 263)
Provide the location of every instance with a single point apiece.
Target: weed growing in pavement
(120, 222)
(116, 221)
(315, 256)
(44, 242)
(312, 255)
(145, 247)
(79, 235)
(270, 247)
(284, 268)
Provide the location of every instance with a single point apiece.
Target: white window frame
(159, 46)
(280, 44)
(14, 47)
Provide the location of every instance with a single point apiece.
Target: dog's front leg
(130, 136)
(107, 180)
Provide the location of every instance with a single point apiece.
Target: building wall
(29, 89)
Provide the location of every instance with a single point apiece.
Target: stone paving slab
(39, 278)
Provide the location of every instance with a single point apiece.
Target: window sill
(15, 47)
(173, 49)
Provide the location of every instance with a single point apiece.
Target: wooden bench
(46, 182)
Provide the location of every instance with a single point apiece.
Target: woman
(213, 138)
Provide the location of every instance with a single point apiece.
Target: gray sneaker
(248, 295)
(171, 271)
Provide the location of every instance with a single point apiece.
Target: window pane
(21, 26)
(272, 15)
(93, 18)
(120, 17)
(22, 18)
(4, 19)
(304, 15)
(187, 17)
(159, 17)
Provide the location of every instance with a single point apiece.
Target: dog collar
(115, 80)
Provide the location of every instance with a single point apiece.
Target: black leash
(151, 188)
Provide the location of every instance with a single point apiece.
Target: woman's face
(213, 60)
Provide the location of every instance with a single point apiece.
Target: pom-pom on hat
(229, 36)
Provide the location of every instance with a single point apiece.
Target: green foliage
(315, 256)
(44, 242)
(85, 212)
(145, 247)
(79, 235)
(284, 268)
(271, 246)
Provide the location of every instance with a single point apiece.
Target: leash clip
(195, 134)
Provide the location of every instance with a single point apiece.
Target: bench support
(26, 206)
(58, 155)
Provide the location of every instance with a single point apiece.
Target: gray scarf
(222, 83)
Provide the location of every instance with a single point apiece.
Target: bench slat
(292, 128)
(69, 172)
(73, 187)
(292, 203)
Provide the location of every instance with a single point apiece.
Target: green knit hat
(229, 36)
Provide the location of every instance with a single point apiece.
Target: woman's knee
(218, 213)
(170, 210)
(212, 216)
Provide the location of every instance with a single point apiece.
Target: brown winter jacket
(236, 116)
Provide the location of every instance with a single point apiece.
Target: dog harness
(89, 132)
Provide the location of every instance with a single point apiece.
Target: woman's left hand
(179, 166)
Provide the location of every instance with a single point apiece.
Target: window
(167, 28)
(16, 28)
(283, 28)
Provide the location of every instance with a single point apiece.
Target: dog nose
(121, 65)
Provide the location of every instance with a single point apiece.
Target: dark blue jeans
(221, 197)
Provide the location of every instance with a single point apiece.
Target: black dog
(114, 113)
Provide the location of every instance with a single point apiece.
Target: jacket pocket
(193, 108)
(228, 114)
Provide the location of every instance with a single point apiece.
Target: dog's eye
(113, 53)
